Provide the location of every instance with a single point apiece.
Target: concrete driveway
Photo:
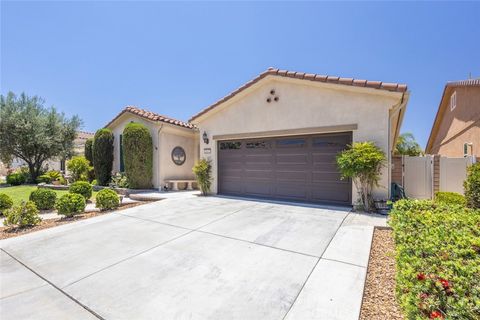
(192, 258)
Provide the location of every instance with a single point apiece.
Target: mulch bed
(379, 295)
(10, 232)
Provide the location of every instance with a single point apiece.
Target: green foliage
(6, 202)
(203, 173)
(49, 177)
(44, 178)
(70, 204)
(94, 182)
(119, 180)
(362, 163)
(407, 145)
(138, 155)
(472, 186)
(16, 178)
(103, 156)
(438, 259)
(107, 199)
(34, 133)
(44, 199)
(23, 215)
(449, 198)
(79, 168)
(88, 153)
(83, 188)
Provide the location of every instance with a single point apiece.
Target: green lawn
(22, 193)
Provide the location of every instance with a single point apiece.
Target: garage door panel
(325, 176)
(291, 159)
(291, 191)
(328, 191)
(259, 188)
(259, 174)
(292, 176)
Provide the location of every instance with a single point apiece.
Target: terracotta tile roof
(152, 116)
(464, 83)
(395, 87)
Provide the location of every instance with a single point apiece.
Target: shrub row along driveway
(195, 258)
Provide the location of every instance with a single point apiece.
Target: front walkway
(192, 258)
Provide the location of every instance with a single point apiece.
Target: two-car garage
(299, 168)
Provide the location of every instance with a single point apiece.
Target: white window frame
(453, 100)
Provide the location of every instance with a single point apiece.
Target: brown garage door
(300, 168)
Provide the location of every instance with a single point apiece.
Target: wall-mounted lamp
(205, 137)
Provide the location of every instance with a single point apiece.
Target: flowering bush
(438, 259)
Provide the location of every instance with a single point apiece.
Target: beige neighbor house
(278, 135)
(456, 129)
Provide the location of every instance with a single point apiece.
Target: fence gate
(418, 177)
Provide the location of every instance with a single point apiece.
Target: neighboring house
(173, 140)
(456, 129)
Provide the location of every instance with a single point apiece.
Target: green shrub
(438, 259)
(89, 150)
(119, 180)
(16, 178)
(451, 198)
(6, 202)
(23, 215)
(203, 173)
(44, 178)
(107, 199)
(138, 155)
(362, 163)
(94, 182)
(103, 156)
(49, 177)
(79, 168)
(472, 186)
(70, 204)
(44, 199)
(83, 188)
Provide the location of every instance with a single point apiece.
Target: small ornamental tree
(79, 167)
(203, 174)
(138, 155)
(103, 156)
(362, 163)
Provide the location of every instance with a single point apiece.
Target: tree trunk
(32, 171)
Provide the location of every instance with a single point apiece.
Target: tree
(34, 133)
(103, 156)
(406, 145)
(362, 162)
(89, 150)
(138, 155)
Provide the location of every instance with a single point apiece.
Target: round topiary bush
(81, 187)
(103, 156)
(107, 199)
(138, 155)
(23, 215)
(44, 199)
(6, 202)
(70, 204)
(16, 178)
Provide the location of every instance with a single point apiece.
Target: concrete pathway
(192, 258)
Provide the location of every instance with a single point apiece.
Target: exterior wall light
(205, 137)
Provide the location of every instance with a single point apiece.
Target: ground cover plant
(438, 259)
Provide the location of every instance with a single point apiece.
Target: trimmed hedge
(107, 199)
(82, 188)
(103, 156)
(438, 259)
(16, 178)
(70, 204)
(88, 153)
(6, 202)
(44, 199)
(23, 215)
(449, 198)
(472, 186)
(138, 155)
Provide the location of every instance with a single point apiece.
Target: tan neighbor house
(278, 135)
(456, 129)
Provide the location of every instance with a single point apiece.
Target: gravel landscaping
(379, 296)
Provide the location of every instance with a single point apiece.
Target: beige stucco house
(456, 129)
(278, 135)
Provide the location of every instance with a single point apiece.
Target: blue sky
(93, 58)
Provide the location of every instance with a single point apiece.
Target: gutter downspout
(159, 168)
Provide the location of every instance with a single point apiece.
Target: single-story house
(456, 129)
(278, 135)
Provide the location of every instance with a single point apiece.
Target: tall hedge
(138, 155)
(89, 150)
(103, 156)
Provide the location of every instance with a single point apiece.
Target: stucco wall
(303, 104)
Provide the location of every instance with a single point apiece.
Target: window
(257, 145)
(230, 145)
(322, 142)
(291, 143)
(453, 100)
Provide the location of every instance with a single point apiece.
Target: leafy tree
(362, 162)
(103, 156)
(89, 150)
(138, 155)
(34, 133)
(406, 145)
(203, 173)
